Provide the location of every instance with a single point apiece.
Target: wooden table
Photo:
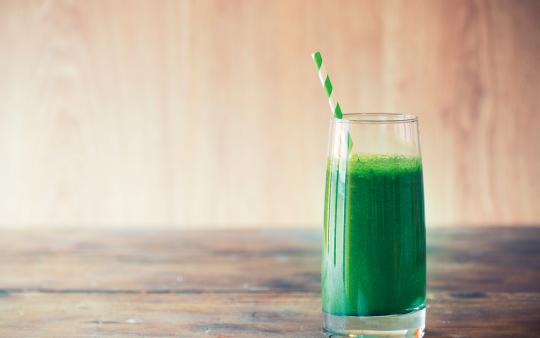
(163, 283)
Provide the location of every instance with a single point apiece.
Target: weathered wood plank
(246, 314)
(188, 315)
(498, 259)
(156, 260)
(482, 282)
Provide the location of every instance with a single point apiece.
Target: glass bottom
(405, 325)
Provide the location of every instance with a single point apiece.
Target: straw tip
(317, 58)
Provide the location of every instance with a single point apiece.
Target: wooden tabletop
(482, 282)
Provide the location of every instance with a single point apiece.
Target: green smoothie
(374, 251)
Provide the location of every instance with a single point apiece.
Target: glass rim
(376, 118)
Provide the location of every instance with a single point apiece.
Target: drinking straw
(327, 85)
(342, 163)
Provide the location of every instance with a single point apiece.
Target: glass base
(405, 325)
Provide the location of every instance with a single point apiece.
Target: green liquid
(374, 252)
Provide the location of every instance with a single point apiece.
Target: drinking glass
(374, 242)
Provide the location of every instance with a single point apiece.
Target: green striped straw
(327, 85)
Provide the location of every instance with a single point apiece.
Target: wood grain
(482, 282)
(177, 261)
(244, 315)
(209, 113)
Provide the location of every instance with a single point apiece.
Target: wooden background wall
(209, 113)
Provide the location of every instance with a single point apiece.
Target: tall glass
(374, 250)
